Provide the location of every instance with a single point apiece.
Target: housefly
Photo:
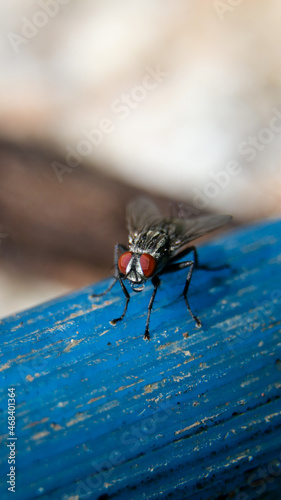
(155, 245)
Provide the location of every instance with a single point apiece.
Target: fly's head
(137, 268)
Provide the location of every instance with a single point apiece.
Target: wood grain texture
(193, 413)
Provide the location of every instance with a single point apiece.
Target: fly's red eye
(123, 261)
(148, 264)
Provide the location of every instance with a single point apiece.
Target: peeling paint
(4, 367)
(108, 406)
(123, 387)
(72, 344)
(39, 435)
(33, 424)
(79, 417)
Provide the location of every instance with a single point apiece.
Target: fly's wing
(142, 214)
(182, 231)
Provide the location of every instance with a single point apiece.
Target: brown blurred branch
(65, 230)
(58, 228)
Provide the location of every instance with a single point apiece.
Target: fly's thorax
(154, 242)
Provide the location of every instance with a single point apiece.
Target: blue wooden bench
(192, 413)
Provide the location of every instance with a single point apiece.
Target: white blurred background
(181, 98)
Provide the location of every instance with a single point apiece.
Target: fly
(155, 244)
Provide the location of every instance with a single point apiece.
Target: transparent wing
(182, 231)
(141, 214)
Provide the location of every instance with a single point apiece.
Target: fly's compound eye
(123, 261)
(148, 264)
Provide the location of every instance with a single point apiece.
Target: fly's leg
(120, 248)
(156, 282)
(127, 296)
(107, 290)
(204, 266)
(185, 290)
(177, 267)
(117, 249)
(195, 256)
(196, 260)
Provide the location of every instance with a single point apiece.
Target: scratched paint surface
(193, 413)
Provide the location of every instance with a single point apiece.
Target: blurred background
(101, 101)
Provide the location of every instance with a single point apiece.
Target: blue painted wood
(193, 413)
